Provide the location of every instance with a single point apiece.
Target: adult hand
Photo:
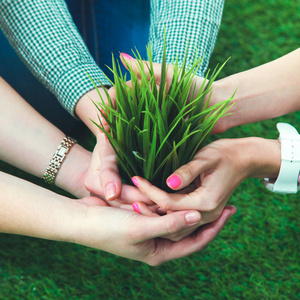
(142, 238)
(30, 210)
(102, 177)
(216, 171)
(219, 92)
(96, 177)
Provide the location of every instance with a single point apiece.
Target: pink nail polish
(174, 181)
(127, 56)
(135, 182)
(136, 208)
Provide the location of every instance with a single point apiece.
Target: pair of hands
(146, 237)
(152, 239)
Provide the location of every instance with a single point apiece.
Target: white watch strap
(287, 180)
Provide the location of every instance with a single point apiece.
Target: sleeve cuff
(75, 83)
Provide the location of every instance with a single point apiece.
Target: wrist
(30, 210)
(86, 110)
(265, 157)
(222, 90)
(72, 172)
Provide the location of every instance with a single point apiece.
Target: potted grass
(153, 131)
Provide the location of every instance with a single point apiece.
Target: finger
(103, 176)
(144, 210)
(175, 201)
(169, 224)
(108, 170)
(93, 201)
(168, 251)
(103, 116)
(130, 194)
(187, 173)
(175, 235)
(131, 63)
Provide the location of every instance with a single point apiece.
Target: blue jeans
(106, 26)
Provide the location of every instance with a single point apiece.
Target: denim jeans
(106, 26)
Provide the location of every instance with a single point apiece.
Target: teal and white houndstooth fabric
(188, 22)
(47, 40)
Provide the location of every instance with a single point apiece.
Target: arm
(273, 86)
(194, 22)
(29, 210)
(45, 37)
(29, 141)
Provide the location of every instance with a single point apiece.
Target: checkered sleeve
(47, 40)
(195, 22)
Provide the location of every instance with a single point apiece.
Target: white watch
(287, 180)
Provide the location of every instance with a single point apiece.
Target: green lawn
(255, 257)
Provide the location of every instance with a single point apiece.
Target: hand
(142, 238)
(215, 172)
(103, 164)
(219, 92)
(30, 210)
(101, 172)
(152, 211)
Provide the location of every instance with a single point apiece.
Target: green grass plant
(154, 130)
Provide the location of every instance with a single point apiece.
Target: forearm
(27, 209)
(46, 39)
(194, 22)
(265, 92)
(29, 142)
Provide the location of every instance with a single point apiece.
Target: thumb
(169, 224)
(187, 173)
(103, 177)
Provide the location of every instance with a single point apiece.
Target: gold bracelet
(58, 158)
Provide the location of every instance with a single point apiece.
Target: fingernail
(174, 181)
(229, 217)
(192, 218)
(110, 191)
(136, 208)
(106, 138)
(127, 56)
(160, 211)
(135, 182)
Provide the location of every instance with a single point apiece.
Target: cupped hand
(131, 235)
(102, 176)
(216, 171)
(152, 211)
(219, 92)
(103, 180)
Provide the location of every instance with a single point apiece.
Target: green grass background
(256, 256)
